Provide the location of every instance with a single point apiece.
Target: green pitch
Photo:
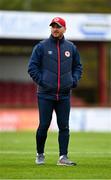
(91, 151)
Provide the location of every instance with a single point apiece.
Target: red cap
(61, 22)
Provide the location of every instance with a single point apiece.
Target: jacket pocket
(49, 80)
(66, 81)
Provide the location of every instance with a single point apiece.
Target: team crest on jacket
(67, 53)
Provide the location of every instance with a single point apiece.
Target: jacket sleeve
(76, 67)
(34, 66)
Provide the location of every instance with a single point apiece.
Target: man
(55, 67)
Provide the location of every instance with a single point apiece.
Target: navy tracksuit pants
(62, 110)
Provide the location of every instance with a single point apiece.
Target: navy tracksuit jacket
(55, 67)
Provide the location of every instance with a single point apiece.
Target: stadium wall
(14, 68)
(81, 119)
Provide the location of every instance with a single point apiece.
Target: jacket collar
(55, 40)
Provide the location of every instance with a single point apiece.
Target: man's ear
(64, 29)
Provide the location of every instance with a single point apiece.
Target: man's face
(57, 31)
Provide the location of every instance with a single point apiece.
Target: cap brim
(55, 23)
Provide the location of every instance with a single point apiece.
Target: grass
(91, 151)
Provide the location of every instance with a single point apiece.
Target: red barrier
(18, 119)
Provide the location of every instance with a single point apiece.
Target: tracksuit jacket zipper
(58, 59)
